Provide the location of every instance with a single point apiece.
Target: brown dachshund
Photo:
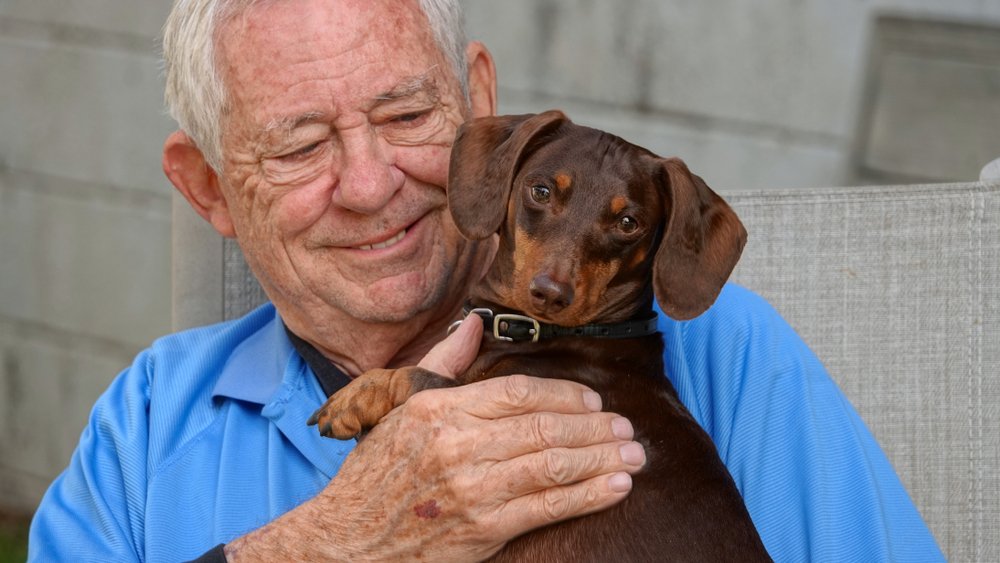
(591, 227)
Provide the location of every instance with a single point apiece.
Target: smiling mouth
(384, 244)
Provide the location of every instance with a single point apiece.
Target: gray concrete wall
(762, 93)
(84, 220)
(751, 94)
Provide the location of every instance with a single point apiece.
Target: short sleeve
(94, 510)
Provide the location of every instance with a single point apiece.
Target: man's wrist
(309, 532)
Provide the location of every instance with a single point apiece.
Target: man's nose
(368, 177)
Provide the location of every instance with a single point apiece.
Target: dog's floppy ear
(701, 244)
(486, 155)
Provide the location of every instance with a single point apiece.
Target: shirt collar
(263, 369)
(256, 367)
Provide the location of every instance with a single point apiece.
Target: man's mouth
(384, 244)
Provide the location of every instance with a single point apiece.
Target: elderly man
(317, 133)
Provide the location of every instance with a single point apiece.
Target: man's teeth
(385, 243)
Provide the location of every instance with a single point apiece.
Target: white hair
(195, 93)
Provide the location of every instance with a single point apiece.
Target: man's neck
(357, 346)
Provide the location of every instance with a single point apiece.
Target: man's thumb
(455, 354)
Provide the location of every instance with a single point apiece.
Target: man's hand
(453, 474)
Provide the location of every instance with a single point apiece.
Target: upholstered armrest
(897, 290)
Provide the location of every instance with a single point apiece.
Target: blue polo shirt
(204, 439)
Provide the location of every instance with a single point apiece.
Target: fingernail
(622, 428)
(620, 482)
(632, 453)
(592, 401)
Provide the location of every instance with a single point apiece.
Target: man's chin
(396, 301)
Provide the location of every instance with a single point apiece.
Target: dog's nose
(549, 294)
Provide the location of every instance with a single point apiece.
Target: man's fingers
(455, 354)
(559, 467)
(521, 435)
(562, 503)
(512, 395)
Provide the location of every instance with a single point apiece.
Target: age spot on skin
(429, 509)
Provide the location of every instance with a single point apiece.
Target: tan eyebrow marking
(618, 204)
(563, 180)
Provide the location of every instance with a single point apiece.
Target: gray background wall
(770, 93)
(84, 220)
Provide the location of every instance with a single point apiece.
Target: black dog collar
(512, 327)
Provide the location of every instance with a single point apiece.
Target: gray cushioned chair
(896, 288)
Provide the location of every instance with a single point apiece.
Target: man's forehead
(270, 41)
(285, 70)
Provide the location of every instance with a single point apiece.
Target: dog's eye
(628, 224)
(540, 193)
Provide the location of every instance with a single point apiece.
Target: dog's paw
(335, 420)
(356, 408)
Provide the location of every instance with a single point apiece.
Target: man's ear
(482, 80)
(189, 172)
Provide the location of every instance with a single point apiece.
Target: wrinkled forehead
(294, 52)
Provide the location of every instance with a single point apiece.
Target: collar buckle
(516, 328)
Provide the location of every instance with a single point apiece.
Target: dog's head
(586, 220)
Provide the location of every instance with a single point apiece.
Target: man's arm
(93, 511)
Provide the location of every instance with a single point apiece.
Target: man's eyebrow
(421, 83)
(289, 123)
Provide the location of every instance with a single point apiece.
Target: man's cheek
(428, 164)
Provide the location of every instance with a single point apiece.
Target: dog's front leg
(360, 405)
